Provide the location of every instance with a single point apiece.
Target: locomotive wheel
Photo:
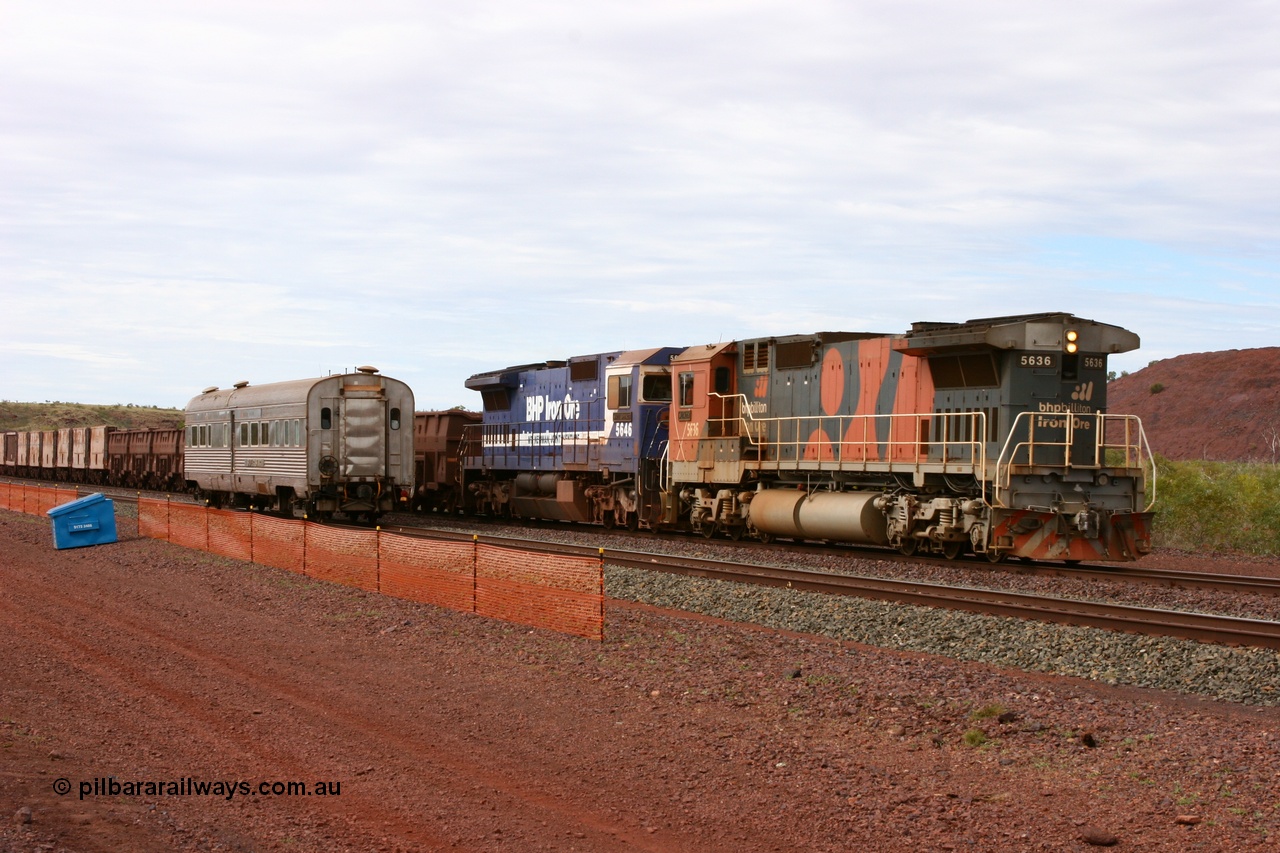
(735, 532)
(907, 547)
(994, 556)
(765, 538)
(708, 531)
(608, 520)
(951, 550)
(633, 521)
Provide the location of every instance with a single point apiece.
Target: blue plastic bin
(91, 520)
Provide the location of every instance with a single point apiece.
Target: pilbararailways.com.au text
(111, 786)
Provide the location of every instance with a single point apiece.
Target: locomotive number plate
(1036, 361)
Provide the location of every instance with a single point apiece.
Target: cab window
(686, 389)
(620, 392)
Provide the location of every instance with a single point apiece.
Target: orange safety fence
(153, 519)
(280, 543)
(541, 589)
(230, 534)
(189, 526)
(46, 499)
(535, 588)
(348, 557)
(432, 571)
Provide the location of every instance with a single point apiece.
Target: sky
(195, 194)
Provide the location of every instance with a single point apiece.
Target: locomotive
(989, 436)
(341, 443)
(576, 440)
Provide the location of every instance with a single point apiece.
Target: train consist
(989, 436)
(99, 456)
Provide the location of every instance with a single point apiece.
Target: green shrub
(1218, 506)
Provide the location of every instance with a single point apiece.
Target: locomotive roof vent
(210, 389)
(243, 383)
(367, 369)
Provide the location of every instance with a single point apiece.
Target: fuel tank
(838, 516)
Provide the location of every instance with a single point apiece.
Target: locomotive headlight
(1072, 340)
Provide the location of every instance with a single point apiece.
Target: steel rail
(1163, 577)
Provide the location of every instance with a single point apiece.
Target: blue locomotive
(576, 440)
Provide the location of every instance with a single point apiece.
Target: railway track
(1227, 630)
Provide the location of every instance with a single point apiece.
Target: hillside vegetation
(1218, 506)
(33, 416)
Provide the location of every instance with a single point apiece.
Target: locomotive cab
(1063, 479)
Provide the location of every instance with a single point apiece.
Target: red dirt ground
(146, 662)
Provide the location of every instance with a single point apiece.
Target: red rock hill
(1207, 405)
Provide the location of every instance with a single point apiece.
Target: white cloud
(237, 187)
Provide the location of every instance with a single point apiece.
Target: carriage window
(244, 435)
(395, 419)
(297, 433)
(191, 436)
(326, 418)
(253, 434)
(686, 389)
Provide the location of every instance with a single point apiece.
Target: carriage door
(363, 431)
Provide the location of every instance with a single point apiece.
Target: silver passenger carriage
(340, 443)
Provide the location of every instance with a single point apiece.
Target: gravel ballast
(1246, 675)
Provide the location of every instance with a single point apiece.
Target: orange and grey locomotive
(989, 436)
(337, 444)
